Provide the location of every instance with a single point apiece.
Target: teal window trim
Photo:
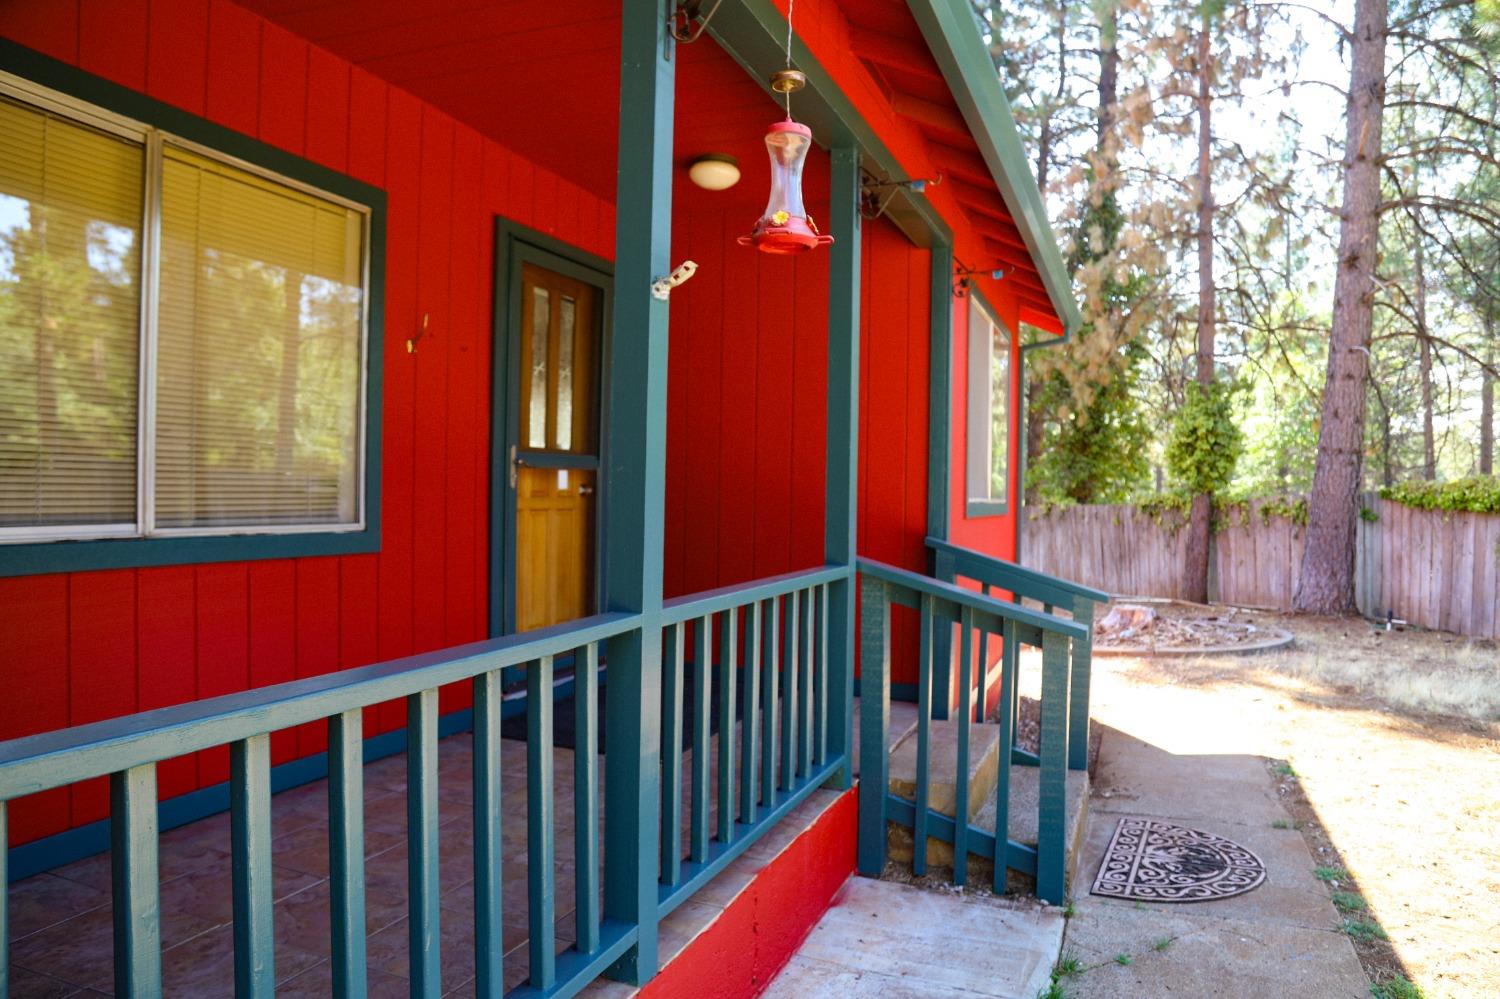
(516, 244)
(126, 553)
(985, 506)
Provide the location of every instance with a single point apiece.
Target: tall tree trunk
(1036, 419)
(1487, 397)
(1325, 584)
(1195, 574)
(1109, 66)
(1429, 447)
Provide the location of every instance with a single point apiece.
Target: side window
(988, 459)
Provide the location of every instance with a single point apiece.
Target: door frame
(516, 245)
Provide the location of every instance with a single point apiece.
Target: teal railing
(952, 563)
(940, 606)
(771, 642)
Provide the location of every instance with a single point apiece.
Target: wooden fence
(1438, 570)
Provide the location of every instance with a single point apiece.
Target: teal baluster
(137, 899)
(961, 770)
(702, 702)
(250, 847)
(804, 693)
(586, 798)
(424, 939)
(1052, 817)
(728, 652)
(1078, 706)
(346, 853)
(539, 824)
(821, 755)
(874, 722)
(770, 719)
(489, 912)
(750, 730)
(1008, 660)
(924, 726)
(789, 690)
(671, 756)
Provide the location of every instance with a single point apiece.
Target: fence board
(1434, 569)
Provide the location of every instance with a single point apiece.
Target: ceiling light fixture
(715, 171)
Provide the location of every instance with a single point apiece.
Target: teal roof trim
(952, 33)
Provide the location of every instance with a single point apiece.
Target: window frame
(61, 89)
(980, 376)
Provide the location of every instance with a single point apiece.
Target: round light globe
(715, 172)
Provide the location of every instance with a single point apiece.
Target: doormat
(1153, 861)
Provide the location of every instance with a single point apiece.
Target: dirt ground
(1393, 746)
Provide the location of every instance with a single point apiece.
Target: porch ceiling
(515, 70)
(544, 79)
(540, 78)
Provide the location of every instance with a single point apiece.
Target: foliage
(1348, 901)
(1399, 987)
(1475, 494)
(1205, 441)
(1363, 930)
(1096, 454)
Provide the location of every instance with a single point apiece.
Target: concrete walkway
(1281, 939)
(894, 941)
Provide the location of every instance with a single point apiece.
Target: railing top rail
(953, 594)
(52, 759)
(696, 605)
(1014, 577)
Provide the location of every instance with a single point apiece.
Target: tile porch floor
(61, 938)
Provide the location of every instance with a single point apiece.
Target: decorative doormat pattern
(1160, 862)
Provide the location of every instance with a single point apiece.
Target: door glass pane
(541, 323)
(70, 218)
(260, 343)
(567, 310)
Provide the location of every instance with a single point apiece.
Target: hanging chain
(791, 4)
(790, 7)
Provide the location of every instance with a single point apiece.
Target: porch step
(942, 760)
(1025, 794)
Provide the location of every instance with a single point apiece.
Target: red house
(354, 394)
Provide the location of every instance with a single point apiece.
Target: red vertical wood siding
(86, 646)
(746, 459)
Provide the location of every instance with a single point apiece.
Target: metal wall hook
(411, 344)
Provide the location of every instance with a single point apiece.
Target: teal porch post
(634, 484)
(840, 532)
(939, 458)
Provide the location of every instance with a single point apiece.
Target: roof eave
(952, 34)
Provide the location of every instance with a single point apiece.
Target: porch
(418, 873)
(415, 873)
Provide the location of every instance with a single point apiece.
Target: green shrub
(1205, 441)
(1475, 494)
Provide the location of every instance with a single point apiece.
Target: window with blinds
(182, 338)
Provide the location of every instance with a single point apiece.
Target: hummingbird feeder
(785, 227)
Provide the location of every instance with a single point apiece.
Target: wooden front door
(555, 457)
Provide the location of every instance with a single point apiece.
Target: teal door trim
(515, 245)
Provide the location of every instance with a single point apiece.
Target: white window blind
(258, 351)
(70, 218)
(182, 338)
